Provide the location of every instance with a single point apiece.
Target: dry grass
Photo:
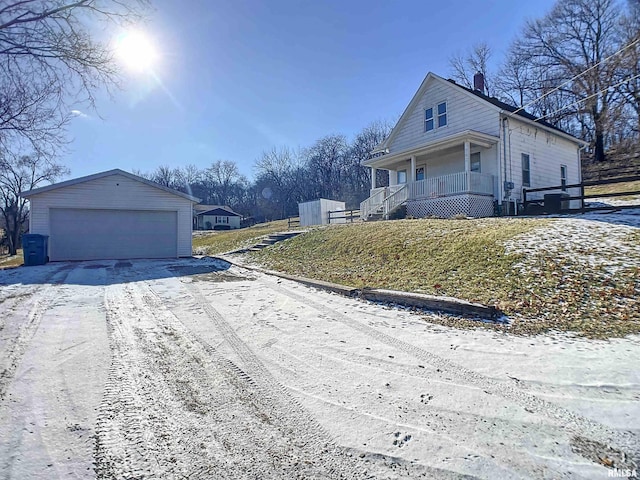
(614, 188)
(467, 259)
(13, 261)
(217, 242)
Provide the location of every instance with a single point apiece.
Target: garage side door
(83, 234)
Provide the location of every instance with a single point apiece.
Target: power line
(577, 76)
(587, 98)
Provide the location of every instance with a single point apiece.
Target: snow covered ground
(597, 238)
(195, 369)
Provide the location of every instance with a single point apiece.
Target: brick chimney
(478, 82)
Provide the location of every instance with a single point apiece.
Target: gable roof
(492, 101)
(509, 108)
(221, 211)
(95, 176)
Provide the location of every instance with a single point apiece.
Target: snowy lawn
(195, 369)
(576, 274)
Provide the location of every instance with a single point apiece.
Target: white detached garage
(112, 215)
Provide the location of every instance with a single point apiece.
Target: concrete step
(269, 240)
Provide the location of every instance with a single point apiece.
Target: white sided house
(456, 151)
(215, 217)
(112, 215)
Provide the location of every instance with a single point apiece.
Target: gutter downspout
(580, 174)
(505, 123)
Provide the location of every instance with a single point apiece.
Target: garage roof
(115, 171)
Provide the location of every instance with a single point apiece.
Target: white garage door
(81, 234)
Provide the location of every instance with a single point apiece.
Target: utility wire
(587, 98)
(577, 76)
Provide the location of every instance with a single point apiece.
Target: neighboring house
(112, 215)
(215, 217)
(456, 151)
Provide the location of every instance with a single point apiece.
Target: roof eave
(95, 176)
(472, 135)
(560, 133)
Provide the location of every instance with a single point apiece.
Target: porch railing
(375, 203)
(452, 184)
(384, 200)
(394, 200)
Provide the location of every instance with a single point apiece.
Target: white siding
(464, 112)
(316, 212)
(452, 161)
(113, 192)
(547, 151)
(445, 163)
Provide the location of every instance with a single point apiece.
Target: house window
(442, 114)
(475, 162)
(526, 172)
(419, 173)
(428, 120)
(402, 176)
(563, 177)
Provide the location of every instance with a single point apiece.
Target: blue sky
(237, 77)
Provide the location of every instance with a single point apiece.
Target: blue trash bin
(35, 249)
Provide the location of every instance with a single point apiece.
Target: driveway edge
(444, 304)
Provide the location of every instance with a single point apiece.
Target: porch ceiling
(390, 160)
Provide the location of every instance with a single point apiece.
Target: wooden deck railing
(375, 203)
(384, 200)
(394, 200)
(344, 216)
(535, 203)
(452, 184)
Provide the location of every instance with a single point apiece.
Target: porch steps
(268, 241)
(400, 211)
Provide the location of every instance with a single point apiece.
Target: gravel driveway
(196, 369)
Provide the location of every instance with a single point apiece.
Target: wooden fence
(349, 216)
(536, 205)
(293, 222)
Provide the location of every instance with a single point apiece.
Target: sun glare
(136, 51)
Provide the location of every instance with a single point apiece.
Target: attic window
(442, 114)
(428, 120)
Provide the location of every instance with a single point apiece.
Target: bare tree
(571, 44)
(465, 66)
(359, 177)
(328, 165)
(16, 176)
(628, 78)
(280, 180)
(516, 80)
(223, 176)
(49, 61)
(166, 176)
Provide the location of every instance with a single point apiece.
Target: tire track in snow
(577, 424)
(144, 430)
(16, 349)
(173, 407)
(261, 374)
(288, 411)
(289, 414)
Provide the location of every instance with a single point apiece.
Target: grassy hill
(221, 241)
(478, 260)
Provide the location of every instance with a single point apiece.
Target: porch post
(467, 156)
(374, 174)
(412, 176)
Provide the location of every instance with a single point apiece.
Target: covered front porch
(455, 174)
